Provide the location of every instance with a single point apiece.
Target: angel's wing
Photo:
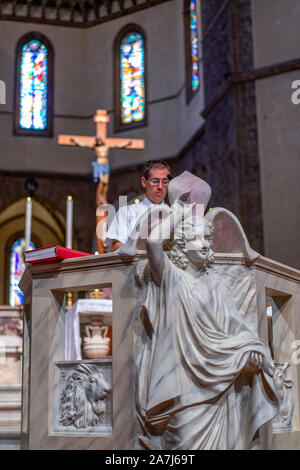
(229, 235)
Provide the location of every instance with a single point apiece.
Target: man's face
(156, 192)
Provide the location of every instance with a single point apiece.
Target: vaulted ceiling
(74, 13)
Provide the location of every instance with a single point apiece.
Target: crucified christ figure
(101, 145)
(101, 168)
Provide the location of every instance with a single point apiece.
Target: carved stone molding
(74, 13)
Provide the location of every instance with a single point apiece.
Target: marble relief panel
(82, 397)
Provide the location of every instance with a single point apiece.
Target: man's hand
(116, 245)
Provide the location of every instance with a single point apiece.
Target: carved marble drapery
(192, 391)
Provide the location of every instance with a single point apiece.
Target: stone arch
(48, 228)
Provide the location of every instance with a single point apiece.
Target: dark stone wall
(218, 156)
(246, 125)
(210, 9)
(216, 45)
(226, 153)
(126, 181)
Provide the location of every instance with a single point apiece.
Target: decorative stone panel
(81, 397)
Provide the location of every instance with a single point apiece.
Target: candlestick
(28, 221)
(69, 226)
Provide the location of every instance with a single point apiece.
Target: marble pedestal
(47, 374)
(45, 365)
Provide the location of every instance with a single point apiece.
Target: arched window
(130, 78)
(17, 268)
(34, 71)
(191, 18)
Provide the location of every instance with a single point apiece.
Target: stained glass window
(194, 45)
(33, 86)
(132, 75)
(17, 268)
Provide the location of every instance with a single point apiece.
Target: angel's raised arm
(163, 231)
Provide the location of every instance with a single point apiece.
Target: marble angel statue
(204, 379)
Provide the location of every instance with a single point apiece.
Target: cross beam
(101, 119)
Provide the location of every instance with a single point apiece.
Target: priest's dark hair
(155, 164)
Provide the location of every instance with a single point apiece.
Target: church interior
(207, 85)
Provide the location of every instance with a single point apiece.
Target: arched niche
(48, 228)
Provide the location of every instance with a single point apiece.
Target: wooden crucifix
(101, 144)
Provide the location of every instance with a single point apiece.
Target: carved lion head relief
(83, 400)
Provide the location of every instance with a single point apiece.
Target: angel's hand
(180, 207)
(255, 361)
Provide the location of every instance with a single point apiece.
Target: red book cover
(52, 253)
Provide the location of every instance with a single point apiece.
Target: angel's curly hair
(178, 251)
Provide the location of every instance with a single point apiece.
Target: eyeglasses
(156, 181)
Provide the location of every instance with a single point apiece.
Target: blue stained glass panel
(194, 44)
(33, 86)
(132, 68)
(17, 268)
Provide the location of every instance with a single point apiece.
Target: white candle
(28, 220)
(69, 226)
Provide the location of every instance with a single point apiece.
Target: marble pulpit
(74, 403)
(46, 372)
